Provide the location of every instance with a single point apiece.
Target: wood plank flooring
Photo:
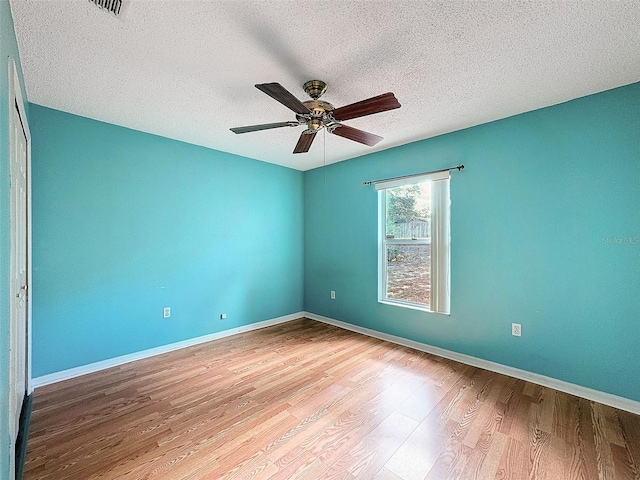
(309, 400)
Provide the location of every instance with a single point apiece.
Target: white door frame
(16, 102)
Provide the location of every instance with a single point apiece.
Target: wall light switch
(166, 312)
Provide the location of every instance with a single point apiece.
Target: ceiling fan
(317, 114)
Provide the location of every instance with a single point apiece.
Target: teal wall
(8, 48)
(545, 232)
(126, 223)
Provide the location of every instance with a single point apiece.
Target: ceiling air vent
(113, 6)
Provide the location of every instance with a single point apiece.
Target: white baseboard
(571, 388)
(114, 362)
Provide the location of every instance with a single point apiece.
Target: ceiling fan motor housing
(319, 114)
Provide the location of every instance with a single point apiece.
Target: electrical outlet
(166, 312)
(223, 316)
(516, 329)
(333, 295)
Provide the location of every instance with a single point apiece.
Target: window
(415, 242)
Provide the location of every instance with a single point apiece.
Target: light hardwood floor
(309, 400)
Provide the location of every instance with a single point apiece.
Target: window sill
(411, 306)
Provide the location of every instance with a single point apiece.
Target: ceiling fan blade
(284, 96)
(265, 126)
(356, 135)
(381, 103)
(304, 142)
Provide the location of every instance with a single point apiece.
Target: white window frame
(440, 240)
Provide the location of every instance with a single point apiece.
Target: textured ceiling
(186, 69)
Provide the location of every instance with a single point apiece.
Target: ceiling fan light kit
(317, 114)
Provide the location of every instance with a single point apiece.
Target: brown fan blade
(284, 96)
(304, 142)
(356, 135)
(381, 103)
(264, 126)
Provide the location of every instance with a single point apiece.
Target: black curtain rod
(459, 167)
